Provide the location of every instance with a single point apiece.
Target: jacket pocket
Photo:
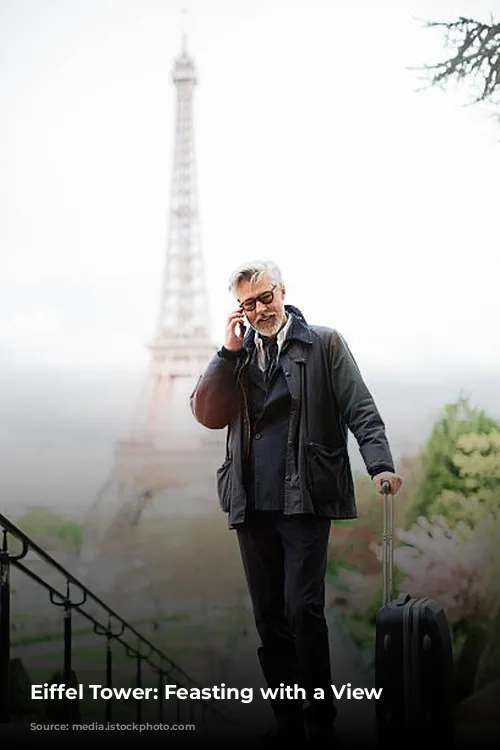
(224, 484)
(328, 476)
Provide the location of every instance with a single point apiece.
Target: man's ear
(283, 291)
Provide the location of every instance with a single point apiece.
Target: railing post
(109, 674)
(108, 632)
(160, 691)
(4, 632)
(138, 671)
(139, 684)
(67, 648)
(5, 560)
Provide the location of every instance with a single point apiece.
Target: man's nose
(260, 307)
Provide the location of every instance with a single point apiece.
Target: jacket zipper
(246, 415)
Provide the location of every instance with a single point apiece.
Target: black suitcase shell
(413, 663)
(414, 669)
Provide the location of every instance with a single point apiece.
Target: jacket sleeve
(357, 407)
(215, 397)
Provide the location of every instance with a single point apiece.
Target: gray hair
(253, 271)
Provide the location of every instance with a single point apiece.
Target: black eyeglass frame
(263, 298)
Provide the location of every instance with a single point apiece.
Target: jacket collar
(299, 330)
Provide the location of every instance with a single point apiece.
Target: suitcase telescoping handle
(387, 544)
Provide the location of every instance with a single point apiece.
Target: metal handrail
(167, 666)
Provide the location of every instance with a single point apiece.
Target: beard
(268, 325)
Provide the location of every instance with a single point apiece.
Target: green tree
(51, 530)
(478, 461)
(441, 473)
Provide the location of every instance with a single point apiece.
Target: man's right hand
(235, 331)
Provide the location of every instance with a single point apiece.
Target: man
(288, 393)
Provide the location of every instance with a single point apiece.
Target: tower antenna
(184, 25)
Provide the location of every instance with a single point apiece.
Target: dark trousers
(284, 558)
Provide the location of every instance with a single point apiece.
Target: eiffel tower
(166, 448)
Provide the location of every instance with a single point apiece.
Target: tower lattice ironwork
(157, 454)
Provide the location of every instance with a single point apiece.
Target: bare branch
(476, 56)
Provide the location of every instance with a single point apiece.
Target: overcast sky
(314, 148)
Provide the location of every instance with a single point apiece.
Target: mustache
(266, 318)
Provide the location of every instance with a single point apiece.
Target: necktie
(271, 349)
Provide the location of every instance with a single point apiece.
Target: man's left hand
(394, 480)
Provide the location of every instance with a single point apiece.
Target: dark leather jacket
(328, 398)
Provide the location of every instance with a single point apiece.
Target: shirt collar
(280, 338)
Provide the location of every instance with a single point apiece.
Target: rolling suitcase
(413, 660)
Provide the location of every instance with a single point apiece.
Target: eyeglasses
(266, 298)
